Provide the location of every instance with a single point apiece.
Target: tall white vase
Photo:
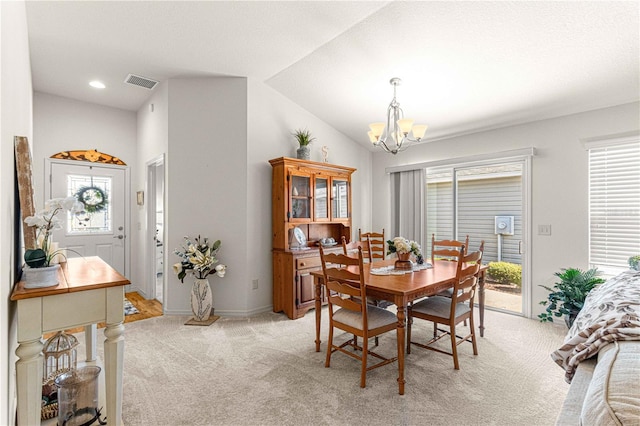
(201, 299)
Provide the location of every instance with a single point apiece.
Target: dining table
(402, 289)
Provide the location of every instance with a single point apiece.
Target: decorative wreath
(93, 198)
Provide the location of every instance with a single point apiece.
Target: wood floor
(146, 308)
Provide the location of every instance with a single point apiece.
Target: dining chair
(346, 291)
(376, 243)
(450, 311)
(352, 247)
(446, 249)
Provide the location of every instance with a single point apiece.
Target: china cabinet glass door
(300, 191)
(321, 198)
(339, 199)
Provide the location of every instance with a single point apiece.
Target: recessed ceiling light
(97, 84)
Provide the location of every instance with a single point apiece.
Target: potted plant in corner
(567, 297)
(634, 262)
(304, 138)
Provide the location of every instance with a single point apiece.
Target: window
(614, 203)
(83, 223)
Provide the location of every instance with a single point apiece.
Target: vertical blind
(614, 204)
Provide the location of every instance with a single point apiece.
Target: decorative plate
(299, 236)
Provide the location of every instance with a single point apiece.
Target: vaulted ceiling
(465, 66)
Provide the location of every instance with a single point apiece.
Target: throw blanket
(611, 312)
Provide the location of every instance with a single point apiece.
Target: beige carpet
(264, 370)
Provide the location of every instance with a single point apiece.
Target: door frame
(150, 267)
(522, 154)
(127, 199)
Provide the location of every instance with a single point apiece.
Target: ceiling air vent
(137, 80)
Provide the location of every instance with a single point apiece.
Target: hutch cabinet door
(300, 201)
(340, 199)
(321, 198)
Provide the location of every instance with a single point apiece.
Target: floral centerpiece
(404, 248)
(199, 259)
(401, 245)
(41, 271)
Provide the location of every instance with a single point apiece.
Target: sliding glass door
(485, 202)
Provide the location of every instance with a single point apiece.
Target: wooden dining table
(402, 290)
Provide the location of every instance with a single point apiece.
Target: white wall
(63, 124)
(271, 119)
(15, 120)
(559, 181)
(153, 141)
(206, 193)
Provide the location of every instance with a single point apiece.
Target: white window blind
(614, 204)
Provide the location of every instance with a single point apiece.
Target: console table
(89, 291)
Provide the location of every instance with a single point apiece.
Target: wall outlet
(544, 229)
(254, 284)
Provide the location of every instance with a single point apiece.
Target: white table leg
(29, 381)
(113, 363)
(90, 332)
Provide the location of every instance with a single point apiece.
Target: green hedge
(505, 273)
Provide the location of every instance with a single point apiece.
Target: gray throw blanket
(611, 312)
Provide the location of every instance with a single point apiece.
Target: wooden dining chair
(346, 290)
(376, 243)
(446, 249)
(352, 247)
(450, 311)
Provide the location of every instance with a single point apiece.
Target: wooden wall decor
(25, 188)
(91, 155)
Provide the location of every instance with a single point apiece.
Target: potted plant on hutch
(567, 297)
(304, 138)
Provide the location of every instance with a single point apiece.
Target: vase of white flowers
(403, 249)
(41, 269)
(199, 259)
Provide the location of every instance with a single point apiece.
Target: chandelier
(393, 136)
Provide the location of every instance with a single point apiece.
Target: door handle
(120, 237)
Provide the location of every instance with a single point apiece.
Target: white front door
(99, 233)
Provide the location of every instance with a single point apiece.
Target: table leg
(113, 363)
(318, 286)
(90, 332)
(29, 381)
(481, 302)
(401, 338)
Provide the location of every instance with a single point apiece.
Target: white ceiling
(465, 66)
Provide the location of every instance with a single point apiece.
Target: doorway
(155, 228)
(101, 230)
(486, 202)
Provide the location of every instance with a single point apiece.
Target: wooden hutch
(312, 201)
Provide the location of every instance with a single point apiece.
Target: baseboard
(226, 312)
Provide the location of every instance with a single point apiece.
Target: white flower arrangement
(198, 258)
(401, 245)
(46, 221)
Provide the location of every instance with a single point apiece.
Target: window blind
(614, 204)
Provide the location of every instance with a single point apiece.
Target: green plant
(567, 296)
(505, 273)
(303, 136)
(634, 262)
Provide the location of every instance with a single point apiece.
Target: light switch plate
(544, 229)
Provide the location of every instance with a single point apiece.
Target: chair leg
(454, 346)
(365, 351)
(473, 335)
(409, 323)
(435, 330)
(327, 362)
